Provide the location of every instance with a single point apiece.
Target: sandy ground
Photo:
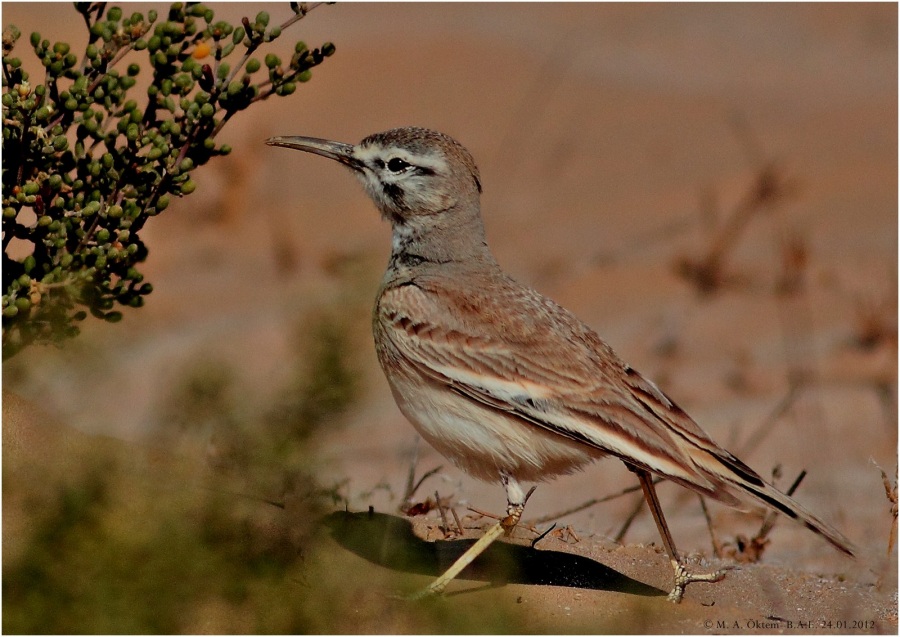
(613, 142)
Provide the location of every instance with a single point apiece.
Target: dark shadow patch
(389, 541)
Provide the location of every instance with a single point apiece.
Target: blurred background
(713, 188)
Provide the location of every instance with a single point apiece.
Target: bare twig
(412, 485)
(639, 505)
(770, 188)
(716, 544)
(768, 424)
(890, 491)
(459, 525)
(483, 514)
(589, 503)
(440, 505)
(875, 321)
(750, 550)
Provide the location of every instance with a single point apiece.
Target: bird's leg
(515, 504)
(682, 576)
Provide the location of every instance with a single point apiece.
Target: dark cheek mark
(394, 193)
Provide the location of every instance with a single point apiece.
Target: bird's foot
(683, 578)
(513, 515)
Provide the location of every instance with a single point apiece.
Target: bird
(507, 384)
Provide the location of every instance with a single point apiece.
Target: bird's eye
(397, 165)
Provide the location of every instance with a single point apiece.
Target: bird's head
(410, 173)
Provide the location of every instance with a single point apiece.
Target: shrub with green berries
(86, 163)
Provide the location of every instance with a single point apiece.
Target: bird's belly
(484, 441)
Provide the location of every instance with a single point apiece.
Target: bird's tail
(737, 480)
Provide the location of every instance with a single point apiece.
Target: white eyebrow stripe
(433, 162)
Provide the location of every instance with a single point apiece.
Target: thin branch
(767, 425)
(716, 544)
(589, 503)
(483, 514)
(628, 521)
(459, 525)
(302, 10)
(890, 491)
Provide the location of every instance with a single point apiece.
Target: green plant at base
(85, 165)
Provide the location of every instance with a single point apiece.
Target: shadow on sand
(389, 541)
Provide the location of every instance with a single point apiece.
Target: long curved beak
(337, 151)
